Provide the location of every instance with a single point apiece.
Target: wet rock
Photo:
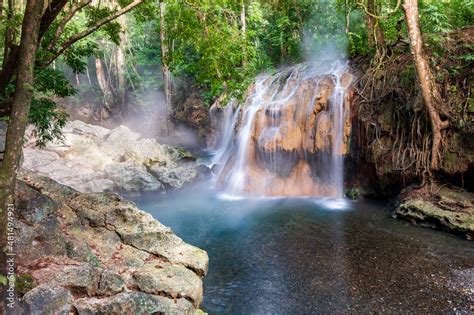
(97, 248)
(96, 159)
(291, 120)
(451, 209)
(302, 122)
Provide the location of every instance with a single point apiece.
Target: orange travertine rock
(294, 120)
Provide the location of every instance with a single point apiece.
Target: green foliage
(111, 30)
(76, 56)
(357, 36)
(48, 120)
(207, 41)
(207, 45)
(3, 280)
(52, 81)
(352, 193)
(434, 18)
(24, 283)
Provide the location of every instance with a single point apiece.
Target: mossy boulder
(450, 209)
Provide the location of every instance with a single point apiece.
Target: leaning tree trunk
(243, 22)
(20, 110)
(104, 108)
(165, 67)
(9, 31)
(429, 91)
(120, 63)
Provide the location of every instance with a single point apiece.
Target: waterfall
(289, 136)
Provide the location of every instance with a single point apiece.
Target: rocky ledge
(96, 159)
(98, 254)
(450, 209)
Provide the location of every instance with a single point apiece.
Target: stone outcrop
(450, 209)
(96, 253)
(95, 159)
(303, 120)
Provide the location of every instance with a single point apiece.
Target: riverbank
(97, 253)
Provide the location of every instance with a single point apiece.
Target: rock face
(96, 159)
(451, 209)
(96, 253)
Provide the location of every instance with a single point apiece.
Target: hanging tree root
(409, 136)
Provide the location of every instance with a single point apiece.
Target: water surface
(302, 256)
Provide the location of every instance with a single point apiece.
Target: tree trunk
(375, 33)
(88, 75)
(120, 63)
(103, 111)
(20, 110)
(9, 32)
(243, 22)
(165, 68)
(429, 91)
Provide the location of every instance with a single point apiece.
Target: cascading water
(289, 137)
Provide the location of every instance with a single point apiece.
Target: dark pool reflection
(303, 256)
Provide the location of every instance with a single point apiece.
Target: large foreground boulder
(95, 159)
(98, 254)
(450, 209)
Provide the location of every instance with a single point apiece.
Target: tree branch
(399, 2)
(73, 39)
(52, 11)
(73, 9)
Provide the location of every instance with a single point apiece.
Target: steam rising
(152, 121)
